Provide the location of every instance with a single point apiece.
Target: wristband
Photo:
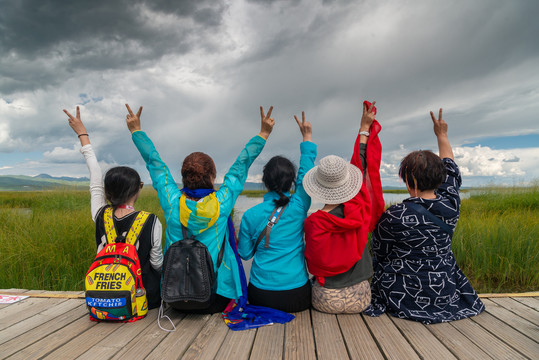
(366, 133)
(82, 135)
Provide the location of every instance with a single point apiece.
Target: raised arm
(359, 158)
(162, 179)
(237, 174)
(306, 162)
(97, 192)
(440, 130)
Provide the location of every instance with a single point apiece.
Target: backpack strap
(273, 219)
(435, 219)
(221, 250)
(134, 230)
(110, 230)
(136, 227)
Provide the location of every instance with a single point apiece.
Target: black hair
(422, 169)
(279, 175)
(121, 183)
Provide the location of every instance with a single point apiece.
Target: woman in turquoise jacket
(204, 217)
(279, 277)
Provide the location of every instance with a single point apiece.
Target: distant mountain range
(40, 182)
(48, 182)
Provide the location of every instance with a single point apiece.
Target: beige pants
(349, 300)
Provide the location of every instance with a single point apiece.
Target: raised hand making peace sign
(305, 127)
(133, 121)
(440, 130)
(267, 123)
(78, 127)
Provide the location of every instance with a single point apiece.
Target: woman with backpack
(336, 235)
(197, 207)
(119, 190)
(279, 278)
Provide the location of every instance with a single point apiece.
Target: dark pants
(293, 300)
(218, 305)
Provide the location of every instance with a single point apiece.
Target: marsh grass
(496, 242)
(48, 238)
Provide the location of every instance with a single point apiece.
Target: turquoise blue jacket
(228, 280)
(282, 265)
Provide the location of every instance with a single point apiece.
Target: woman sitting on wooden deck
(201, 210)
(336, 236)
(121, 188)
(279, 278)
(415, 273)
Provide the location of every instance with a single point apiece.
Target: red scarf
(333, 245)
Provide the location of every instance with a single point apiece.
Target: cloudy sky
(202, 68)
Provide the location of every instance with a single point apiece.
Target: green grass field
(48, 241)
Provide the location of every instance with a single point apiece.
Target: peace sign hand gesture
(78, 127)
(440, 126)
(440, 130)
(132, 120)
(305, 127)
(266, 123)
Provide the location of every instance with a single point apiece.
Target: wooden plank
(269, 342)
(357, 338)
(144, 342)
(237, 345)
(299, 338)
(508, 317)
(175, 343)
(519, 309)
(456, 342)
(209, 340)
(389, 338)
(530, 302)
(122, 335)
(24, 310)
(81, 342)
(57, 340)
(37, 320)
(486, 341)
(424, 342)
(512, 337)
(46, 325)
(511, 295)
(327, 336)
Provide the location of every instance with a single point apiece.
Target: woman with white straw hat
(336, 235)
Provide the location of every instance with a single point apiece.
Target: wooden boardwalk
(55, 325)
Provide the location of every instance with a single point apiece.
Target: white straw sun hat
(333, 181)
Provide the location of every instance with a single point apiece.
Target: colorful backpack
(114, 289)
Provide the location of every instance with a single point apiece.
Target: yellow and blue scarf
(201, 215)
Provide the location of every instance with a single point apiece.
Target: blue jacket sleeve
(306, 163)
(246, 243)
(237, 174)
(162, 179)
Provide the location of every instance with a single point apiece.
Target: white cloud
(484, 161)
(201, 69)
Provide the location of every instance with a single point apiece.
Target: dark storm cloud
(42, 42)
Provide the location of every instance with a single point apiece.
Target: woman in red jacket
(336, 235)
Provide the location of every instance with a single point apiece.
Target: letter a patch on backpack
(114, 289)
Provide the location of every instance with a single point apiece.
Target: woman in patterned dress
(415, 273)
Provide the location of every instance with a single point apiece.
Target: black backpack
(189, 281)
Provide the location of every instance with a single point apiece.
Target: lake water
(243, 203)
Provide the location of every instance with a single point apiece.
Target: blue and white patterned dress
(415, 273)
